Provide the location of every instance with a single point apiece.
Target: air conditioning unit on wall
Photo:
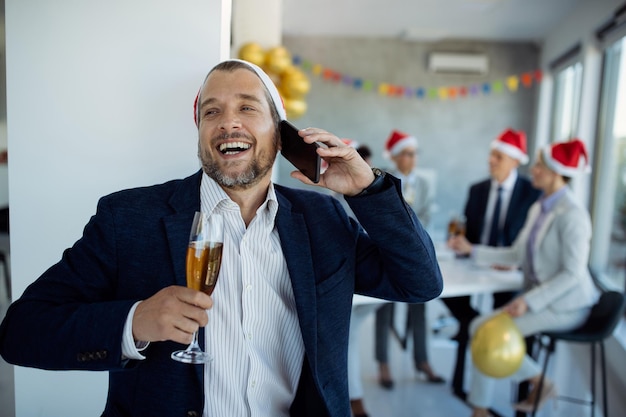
(458, 63)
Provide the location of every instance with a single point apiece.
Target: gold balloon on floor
(498, 347)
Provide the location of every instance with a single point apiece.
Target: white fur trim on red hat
(513, 144)
(399, 141)
(267, 82)
(568, 159)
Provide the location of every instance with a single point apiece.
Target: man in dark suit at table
(495, 212)
(291, 262)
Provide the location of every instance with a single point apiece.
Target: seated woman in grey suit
(553, 251)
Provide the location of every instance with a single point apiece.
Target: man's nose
(229, 120)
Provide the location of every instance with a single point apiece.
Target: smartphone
(301, 154)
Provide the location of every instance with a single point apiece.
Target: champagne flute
(204, 258)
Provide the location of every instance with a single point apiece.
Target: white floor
(413, 397)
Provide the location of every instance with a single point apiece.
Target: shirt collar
(508, 183)
(213, 197)
(548, 203)
(406, 178)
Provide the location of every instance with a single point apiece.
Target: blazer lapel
(296, 247)
(483, 198)
(185, 201)
(513, 204)
(544, 228)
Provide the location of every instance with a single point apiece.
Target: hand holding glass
(204, 258)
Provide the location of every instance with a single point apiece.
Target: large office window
(566, 102)
(609, 242)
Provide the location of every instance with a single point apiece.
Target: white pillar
(260, 22)
(257, 21)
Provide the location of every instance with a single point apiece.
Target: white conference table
(463, 277)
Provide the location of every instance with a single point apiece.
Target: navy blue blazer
(523, 196)
(72, 317)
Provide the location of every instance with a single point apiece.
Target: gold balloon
(295, 107)
(498, 347)
(252, 52)
(277, 60)
(294, 84)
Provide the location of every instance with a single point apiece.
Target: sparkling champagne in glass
(204, 258)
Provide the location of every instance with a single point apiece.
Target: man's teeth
(233, 147)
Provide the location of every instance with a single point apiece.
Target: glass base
(192, 356)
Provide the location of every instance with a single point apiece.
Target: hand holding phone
(301, 154)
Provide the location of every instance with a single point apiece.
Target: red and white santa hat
(568, 159)
(350, 142)
(399, 141)
(513, 144)
(277, 101)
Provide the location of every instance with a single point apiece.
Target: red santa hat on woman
(513, 144)
(568, 159)
(399, 141)
(277, 101)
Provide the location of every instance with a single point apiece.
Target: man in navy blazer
(127, 272)
(484, 226)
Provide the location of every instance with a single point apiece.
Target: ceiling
(426, 20)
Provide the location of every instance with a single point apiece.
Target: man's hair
(231, 66)
(364, 151)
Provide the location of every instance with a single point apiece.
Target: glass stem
(194, 346)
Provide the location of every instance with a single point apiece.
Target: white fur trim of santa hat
(513, 144)
(569, 159)
(265, 79)
(399, 141)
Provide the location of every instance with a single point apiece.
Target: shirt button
(249, 287)
(253, 383)
(249, 335)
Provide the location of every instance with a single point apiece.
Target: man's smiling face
(238, 138)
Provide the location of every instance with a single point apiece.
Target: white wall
(576, 28)
(579, 27)
(100, 98)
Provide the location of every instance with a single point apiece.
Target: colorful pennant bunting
(510, 83)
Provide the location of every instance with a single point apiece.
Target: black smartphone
(301, 154)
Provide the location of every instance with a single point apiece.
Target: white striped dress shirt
(253, 332)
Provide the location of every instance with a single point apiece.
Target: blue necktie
(495, 237)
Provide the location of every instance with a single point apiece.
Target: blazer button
(192, 414)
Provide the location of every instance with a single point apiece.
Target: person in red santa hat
(495, 212)
(402, 148)
(553, 252)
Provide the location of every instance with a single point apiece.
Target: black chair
(603, 319)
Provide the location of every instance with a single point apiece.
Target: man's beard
(257, 168)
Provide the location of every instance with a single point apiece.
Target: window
(566, 101)
(609, 202)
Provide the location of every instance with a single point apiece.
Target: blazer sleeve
(395, 257)
(72, 305)
(574, 228)
(424, 211)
